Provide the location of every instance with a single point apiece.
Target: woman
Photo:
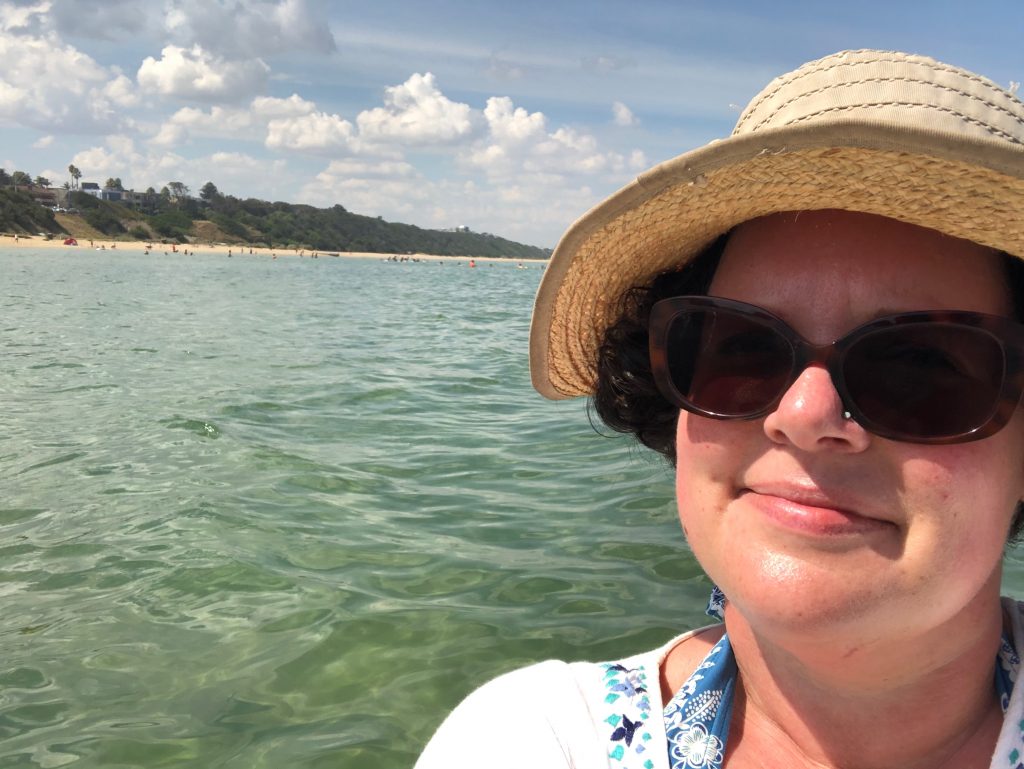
(827, 344)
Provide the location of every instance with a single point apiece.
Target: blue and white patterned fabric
(697, 718)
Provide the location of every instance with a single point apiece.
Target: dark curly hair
(625, 396)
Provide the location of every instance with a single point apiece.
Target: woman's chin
(783, 594)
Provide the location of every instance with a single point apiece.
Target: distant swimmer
(472, 262)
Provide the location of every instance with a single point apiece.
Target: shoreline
(85, 244)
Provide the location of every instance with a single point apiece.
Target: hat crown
(891, 89)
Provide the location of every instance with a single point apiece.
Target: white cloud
(533, 203)
(42, 142)
(352, 167)
(121, 92)
(48, 84)
(512, 125)
(318, 132)
(623, 115)
(219, 122)
(416, 112)
(518, 142)
(25, 18)
(269, 107)
(194, 73)
(238, 123)
(232, 172)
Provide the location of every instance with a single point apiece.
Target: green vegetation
(19, 213)
(173, 215)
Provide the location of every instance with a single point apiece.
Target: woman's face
(808, 522)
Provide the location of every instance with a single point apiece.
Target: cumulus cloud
(509, 124)
(416, 112)
(292, 124)
(534, 204)
(195, 73)
(269, 107)
(218, 122)
(42, 142)
(519, 141)
(392, 189)
(24, 18)
(349, 168)
(121, 92)
(48, 84)
(317, 132)
(139, 168)
(242, 30)
(623, 115)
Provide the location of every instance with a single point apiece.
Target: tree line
(172, 214)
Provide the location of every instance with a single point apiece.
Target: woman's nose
(810, 416)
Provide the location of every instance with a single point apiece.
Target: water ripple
(286, 513)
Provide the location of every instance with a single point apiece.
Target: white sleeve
(534, 718)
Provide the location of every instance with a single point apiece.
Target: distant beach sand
(84, 244)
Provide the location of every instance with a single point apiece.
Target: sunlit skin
(862, 574)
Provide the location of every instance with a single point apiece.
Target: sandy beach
(85, 244)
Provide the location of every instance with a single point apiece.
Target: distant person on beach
(818, 322)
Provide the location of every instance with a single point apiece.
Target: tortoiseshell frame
(1008, 333)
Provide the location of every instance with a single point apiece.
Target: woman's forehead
(871, 264)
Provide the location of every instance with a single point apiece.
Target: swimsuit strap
(697, 719)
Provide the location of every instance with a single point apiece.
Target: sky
(510, 117)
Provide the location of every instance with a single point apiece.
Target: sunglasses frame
(1007, 333)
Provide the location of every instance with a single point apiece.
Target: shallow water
(280, 513)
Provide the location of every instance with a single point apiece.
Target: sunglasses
(918, 377)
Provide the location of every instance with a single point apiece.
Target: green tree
(113, 184)
(75, 175)
(209, 192)
(21, 179)
(5, 178)
(42, 181)
(177, 190)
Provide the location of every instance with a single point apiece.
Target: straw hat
(880, 132)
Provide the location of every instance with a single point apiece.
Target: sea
(287, 512)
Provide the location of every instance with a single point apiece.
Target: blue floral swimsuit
(697, 718)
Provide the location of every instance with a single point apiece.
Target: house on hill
(91, 188)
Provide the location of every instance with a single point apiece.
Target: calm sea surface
(287, 513)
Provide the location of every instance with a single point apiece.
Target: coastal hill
(216, 218)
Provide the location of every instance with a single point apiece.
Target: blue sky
(511, 117)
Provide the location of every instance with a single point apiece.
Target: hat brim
(970, 188)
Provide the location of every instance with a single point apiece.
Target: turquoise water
(287, 513)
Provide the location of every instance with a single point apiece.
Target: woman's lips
(810, 512)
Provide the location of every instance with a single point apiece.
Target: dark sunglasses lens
(726, 363)
(925, 381)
